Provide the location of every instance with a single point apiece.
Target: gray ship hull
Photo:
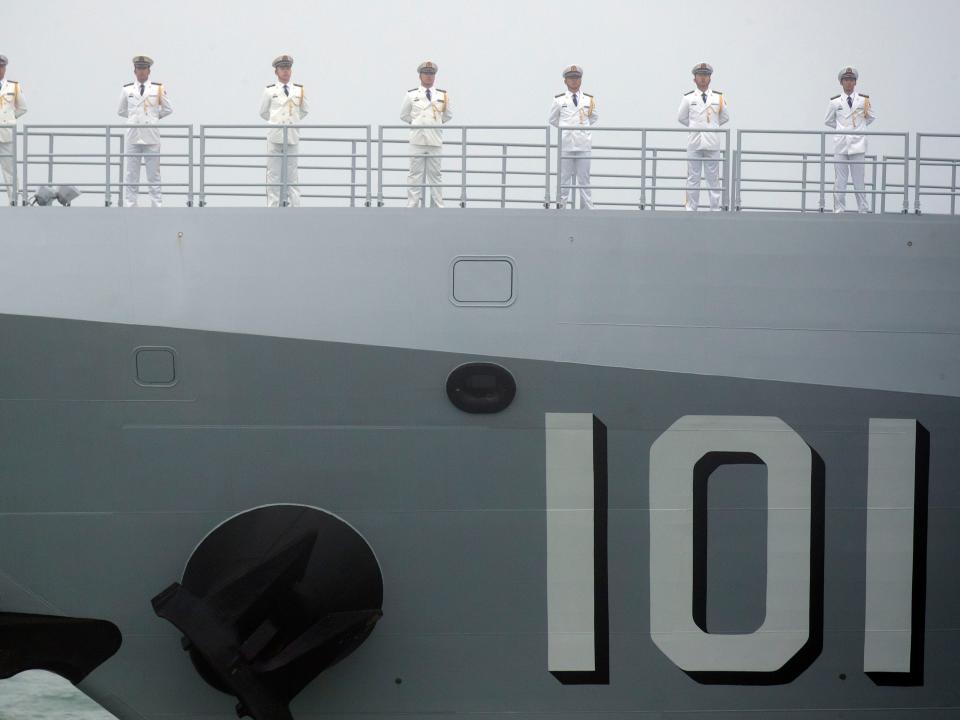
(309, 354)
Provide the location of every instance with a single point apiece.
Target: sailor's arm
(406, 109)
(554, 117)
(683, 114)
(446, 116)
(593, 114)
(265, 104)
(164, 108)
(123, 112)
(831, 119)
(868, 113)
(19, 104)
(724, 116)
(304, 107)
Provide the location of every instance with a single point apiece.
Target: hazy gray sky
(500, 59)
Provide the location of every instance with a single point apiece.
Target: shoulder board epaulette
(298, 84)
(689, 93)
(128, 84)
(157, 83)
(834, 97)
(864, 95)
(14, 82)
(445, 92)
(559, 95)
(587, 95)
(271, 85)
(413, 89)
(718, 92)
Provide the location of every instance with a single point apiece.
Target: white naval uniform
(703, 148)
(12, 106)
(575, 109)
(849, 151)
(279, 108)
(143, 142)
(425, 115)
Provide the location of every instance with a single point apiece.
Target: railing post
(284, 198)
(503, 176)
(653, 180)
(26, 163)
(823, 171)
(560, 205)
(725, 176)
(463, 167)
(106, 164)
(643, 169)
(50, 159)
(120, 164)
(14, 190)
(803, 183)
(203, 166)
(190, 166)
(368, 163)
(906, 174)
(380, 166)
(883, 185)
(353, 173)
(738, 173)
(953, 188)
(546, 172)
(873, 185)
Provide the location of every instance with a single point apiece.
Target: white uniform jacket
(12, 106)
(142, 110)
(695, 113)
(278, 108)
(584, 113)
(841, 116)
(421, 114)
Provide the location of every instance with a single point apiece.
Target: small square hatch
(483, 280)
(155, 366)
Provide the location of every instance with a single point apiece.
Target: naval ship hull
(166, 371)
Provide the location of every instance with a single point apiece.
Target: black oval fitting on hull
(481, 388)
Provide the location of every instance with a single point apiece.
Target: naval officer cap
(703, 69)
(848, 73)
(572, 71)
(427, 68)
(284, 61)
(3, 59)
(142, 61)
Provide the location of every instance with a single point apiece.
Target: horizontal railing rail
(481, 165)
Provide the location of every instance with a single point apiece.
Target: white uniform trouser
(846, 165)
(149, 155)
(6, 166)
(424, 160)
(699, 162)
(575, 164)
(275, 171)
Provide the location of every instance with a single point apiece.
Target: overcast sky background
(500, 59)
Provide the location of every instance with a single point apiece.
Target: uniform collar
(570, 93)
(853, 94)
(698, 91)
(431, 89)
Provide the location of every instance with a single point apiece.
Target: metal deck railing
(483, 166)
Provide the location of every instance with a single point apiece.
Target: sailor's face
(573, 83)
(427, 79)
(142, 74)
(283, 74)
(848, 85)
(702, 80)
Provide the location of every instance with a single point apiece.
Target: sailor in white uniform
(283, 103)
(703, 108)
(425, 108)
(574, 107)
(143, 103)
(12, 106)
(849, 110)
